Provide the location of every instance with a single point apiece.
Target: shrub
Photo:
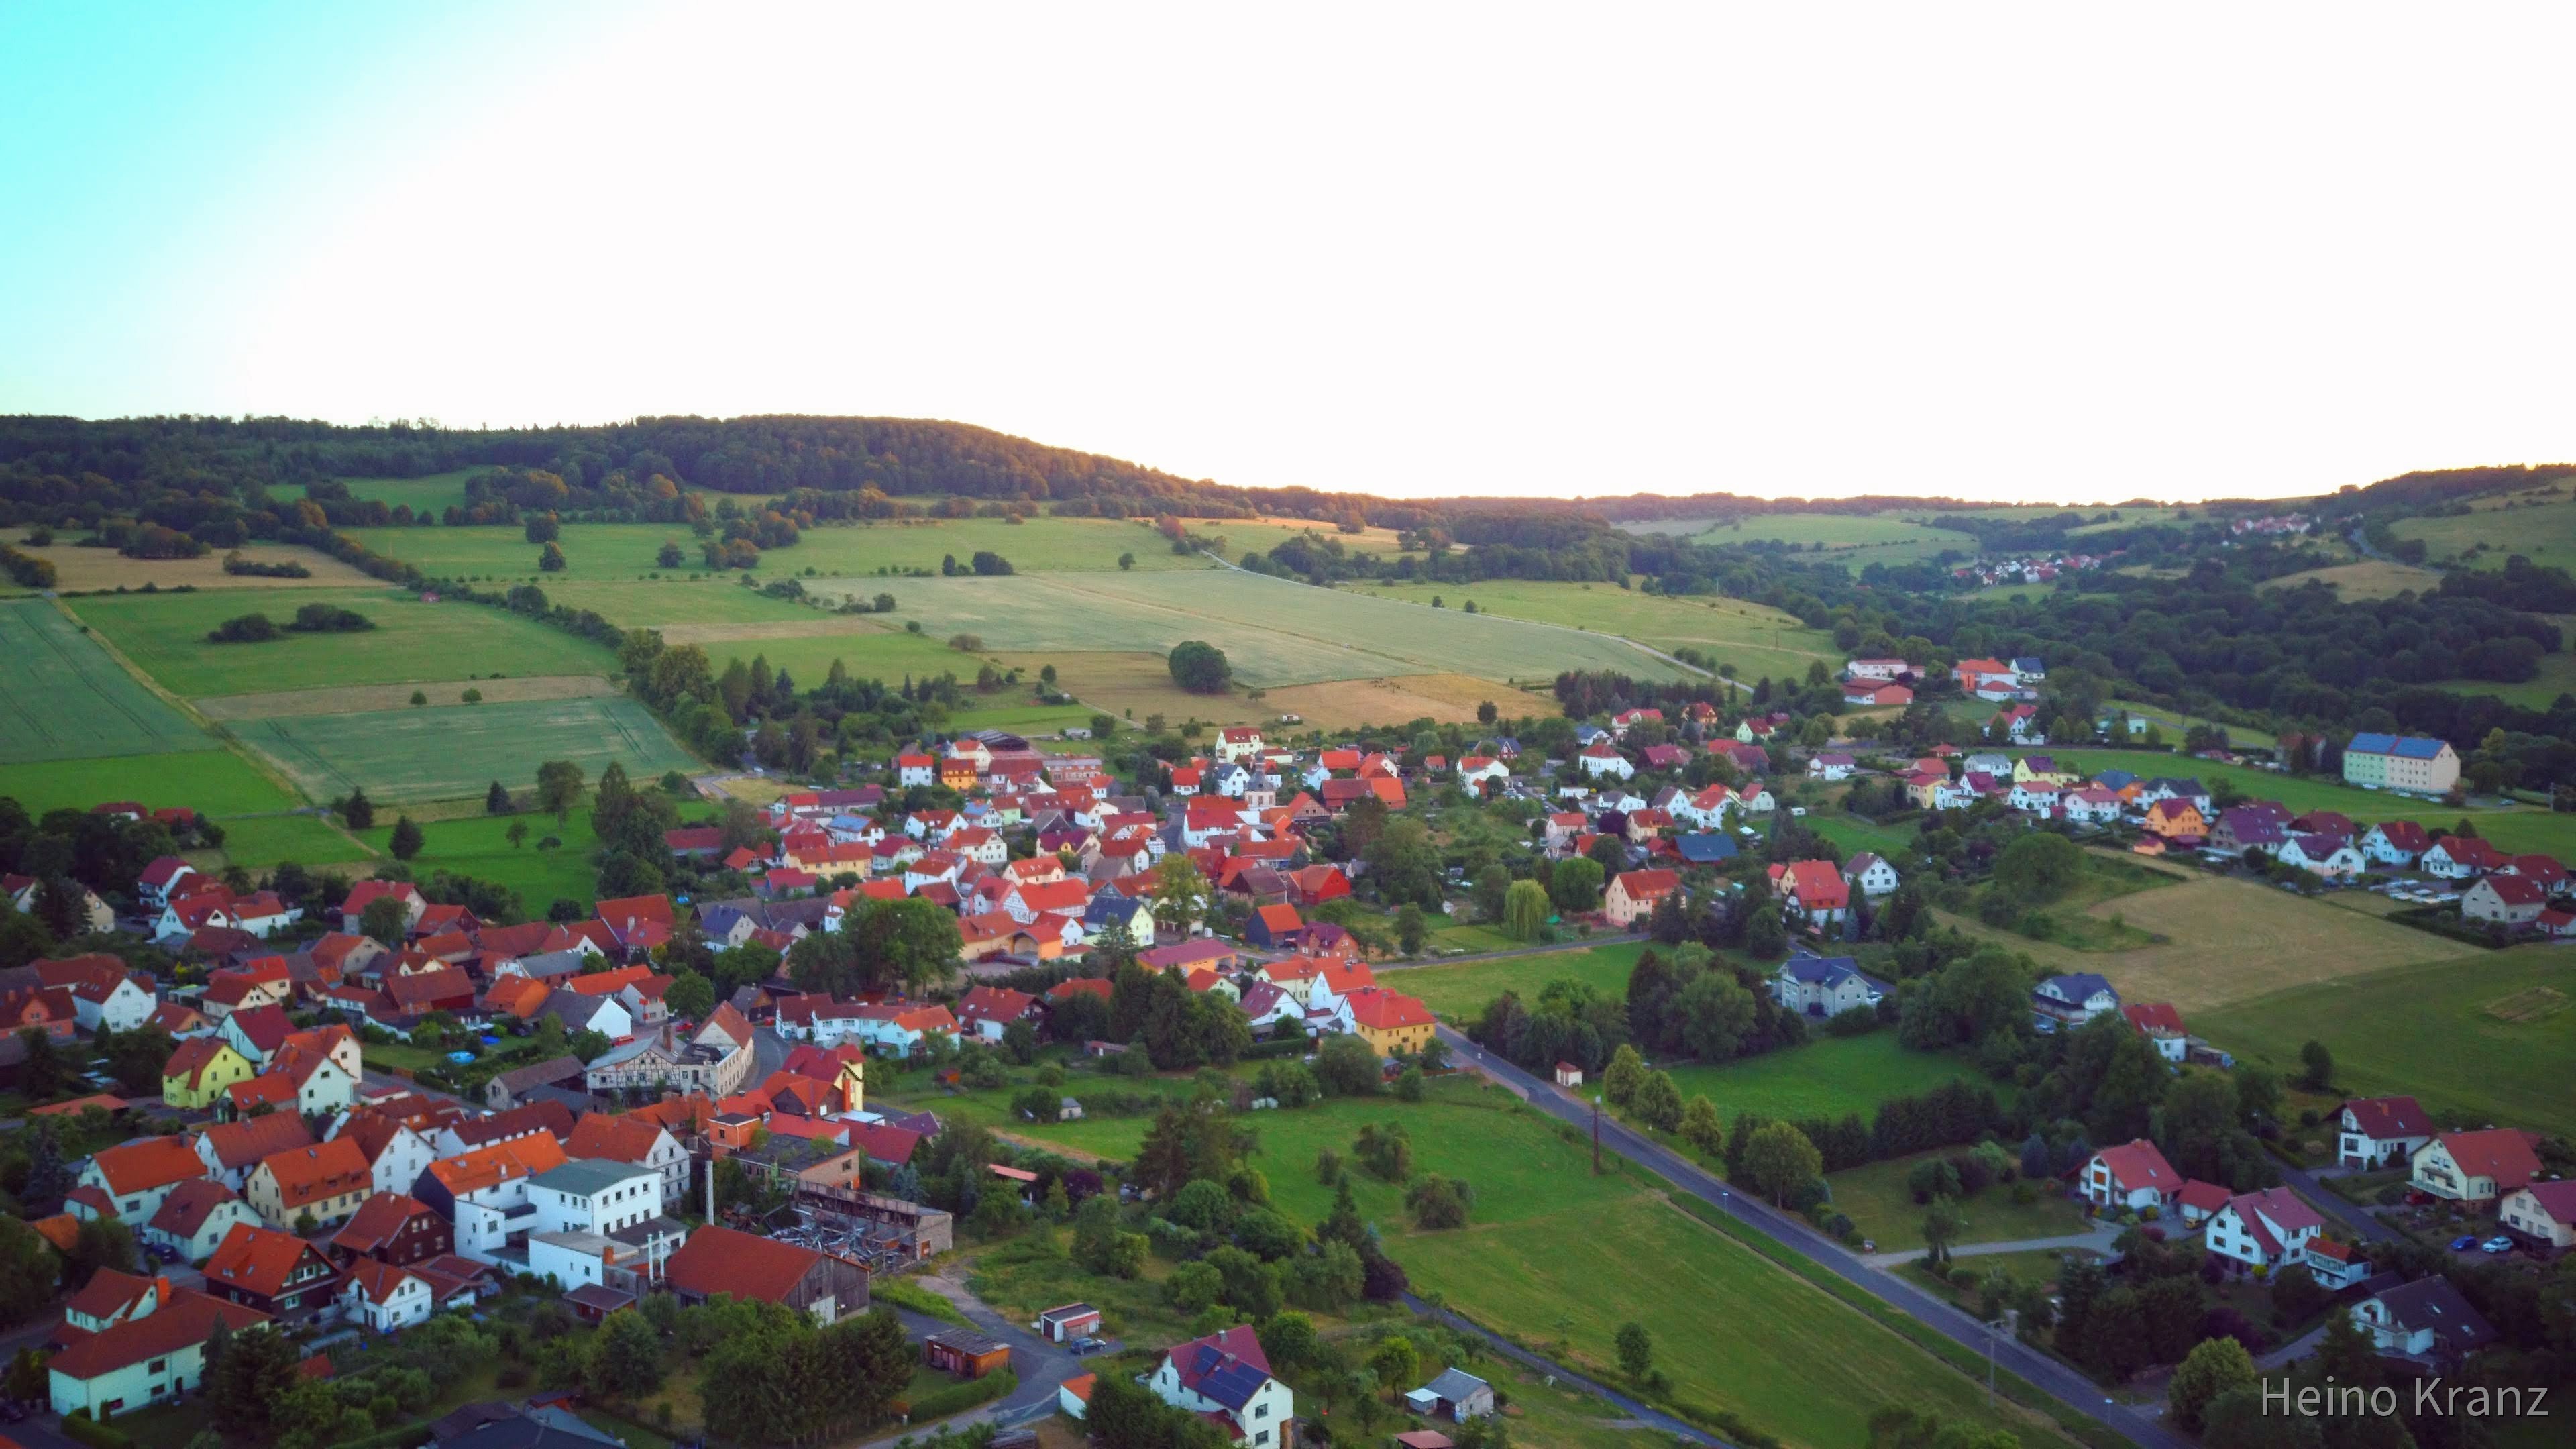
(955, 1398)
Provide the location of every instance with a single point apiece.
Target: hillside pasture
(365, 698)
(1274, 632)
(260, 842)
(211, 781)
(1755, 639)
(1855, 540)
(1874, 1197)
(165, 635)
(2229, 940)
(432, 493)
(806, 648)
(2557, 676)
(418, 754)
(605, 552)
(67, 698)
(2443, 1031)
(2370, 578)
(1243, 535)
(2545, 533)
(95, 570)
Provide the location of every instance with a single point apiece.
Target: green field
(1875, 1199)
(698, 598)
(2544, 534)
(1551, 1241)
(2425, 1031)
(479, 846)
(1460, 992)
(66, 699)
(432, 494)
(610, 551)
(1243, 535)
(1853, 832)
(165, 635)
(1274, 632)
(1757, 640)
(2557, 676)
(1855, 540)
(1827, 1077)
(453, 754)
(2514, 831)
(210, 781)
(866, 650)
(260, 841)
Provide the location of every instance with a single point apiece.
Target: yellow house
(2041, 770)
(327, 1180)
(1389, 1021)
(200, 1070)
(2176, 820)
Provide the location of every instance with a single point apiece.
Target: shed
(1455, 1394)
(1072, 1321)
(1568, 1075)
(964, 1352)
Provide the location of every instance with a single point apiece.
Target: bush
(962, 1396)
(97, 1435)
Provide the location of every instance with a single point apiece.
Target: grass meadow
(2427, 1030)
(434, 493)
(259, 842)
(211, 781)
(1827, 1077)
(1754, 638)
(1875, 1199)
(479, 846)
(1555, 1252)
(626, 551)
(165, 635)
(89, 570)
(2544, 533)
(1856, 540)
(451, 754)
(67, 699)
(2369, 578)
(1460, 992)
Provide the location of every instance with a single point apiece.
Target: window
(156, 1366)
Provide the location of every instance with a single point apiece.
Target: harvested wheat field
(2231, 940)
(84, 570)
(1401, 699)
(2371, 578)
(365, 698)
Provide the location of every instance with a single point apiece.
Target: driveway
(2099, 1241)
(2363, 1223)
(2060, 1382)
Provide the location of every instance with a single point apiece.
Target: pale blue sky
(2022, 252)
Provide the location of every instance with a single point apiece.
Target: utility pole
(1596, 1135)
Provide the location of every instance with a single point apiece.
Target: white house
(1602, 760)
(2331, 856)
(2378, 1131)
(2395, 842)
(2134, 1177)
(1227, 1375)
(1829, 766)
(384, 1297)
(2072, 999)
(1871, 873)
(1475, 770)
(396, 1155)
(155, 1352)
(2424, 1319)
(2266, 1229)
(595, 1195)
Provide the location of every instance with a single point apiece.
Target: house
(1226, 1376)
(1822, 986)
(2426, 1319)
(640, 1142)
(1568, 1075)
(136, 1177)
(1072, 1321)
(2176, 820)
(396, 1153)
(1389, 1021)
(1634, 894)
(520, 1084)
(2507, 900)
(2543, 1213)
(1815, 889)
(2401, 762)
(197, 1073)
(1878, 669)
(2042, 770)
(2158, 1022)
(153, 887)
(195, 1219)
(1601, 759)
(2396, 842)
(392, 1227)
(2267, 1229)
(1276, 927)
(2200, 1201)
(275, 1273)
(964, 1352)
(151, 1355)
(2475, 1167)
(384, 1297)
(1870, 872)
(105, 995)
(595, 1195)
(1861, 695)
(2335, 1265)
(1706, 848)
(2458, 857)
(2377, 1131)
(1829, 766)
(1455, 1395)
(2018, 723)
(2132, 1178)
(483, 1193)
(2071, 1000)
(719, 1259)
(231, 1151)
(325, 1181)
(367, 892)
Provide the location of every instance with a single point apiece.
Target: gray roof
(1828, 971)
(2432, 1303)
(1456, 1385)
(590, 1176)
(574, 1009)
(555, 963)
(2077, 987)
(540, 1074)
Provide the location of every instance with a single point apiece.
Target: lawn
(68, 699)
(1854, 832)
(1460, 992)
(611, 551)
(2426, 1030)
(1875, 1199)
(449, 754)
(166, 635)
(2087, 917)
(213, 782)
(1828, 1077)
(2557, 676)
(1274, 632)
(261, 841)
(479, 846)
(1753, 638)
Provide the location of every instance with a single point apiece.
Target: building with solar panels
(2401, 762)
(1225, 1377)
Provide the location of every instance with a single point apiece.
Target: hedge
(917, 1298)
(957, 1398)
(81, 1426)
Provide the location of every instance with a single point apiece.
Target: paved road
(1041, 1365)
(2099, 1240)
(1644, 1416)
(2297, 1348)
(2064, 1384)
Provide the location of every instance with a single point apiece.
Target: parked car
(2498, 1244)
(1083, 1346)
(2463, 1244)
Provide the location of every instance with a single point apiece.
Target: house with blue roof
(2401, 762)
(1825, 985)
(1707, 847)
(2071, 1000)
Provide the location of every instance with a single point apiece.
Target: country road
(2064, 1384)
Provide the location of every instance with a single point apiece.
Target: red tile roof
(189, 1317)
(147, 1163)
(2139, 1164)
(719, 1259)
(259, 1259)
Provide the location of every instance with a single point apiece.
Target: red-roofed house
(1226, 1377)
(276, 1273)
(137, 1176)
(2266, 1229)
(984, 1011)
(2377, 1131)
(2475, 1167)
(719, 1259)
(2135, 1176)
(1389, 1021)
(2158, 1022)
(1275, 927)
(367, 892)
(147, 1357)
(1634, 894)
(1815, 888)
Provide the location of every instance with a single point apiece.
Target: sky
(2028, 253)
